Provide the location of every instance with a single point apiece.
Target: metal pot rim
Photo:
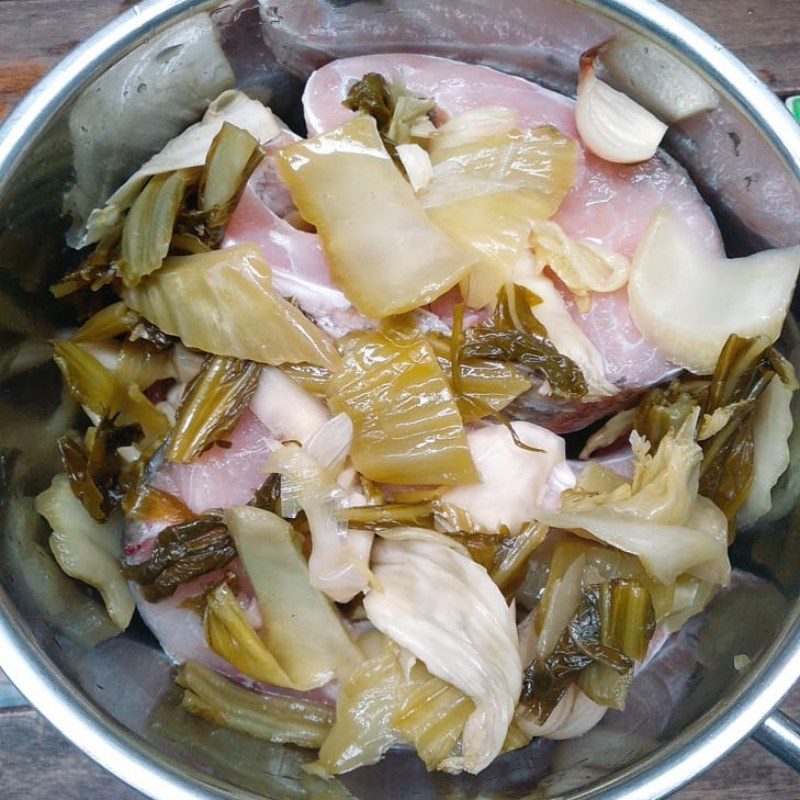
(109, 743)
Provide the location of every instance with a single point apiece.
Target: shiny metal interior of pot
(97, 139)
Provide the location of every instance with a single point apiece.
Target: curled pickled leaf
(319, 649)
(385, 253)
(314, 379)
(87, 550)
(610, 629)
(223, 302)
(230, 635)
(108, 323)
(407, 426)
(472, 126)
(432, 717)
(231, 159)
(94, 466)
(95, 271)
(515, 336)
(181, 553)
(485, 193)
(398, 114)
(99, 390)
(143, 502)
(272, 717)
(147, 232)
(211, 406)
(583, 267)
(363, 730)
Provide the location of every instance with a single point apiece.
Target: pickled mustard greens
(181, 553)
(407, 425)
(385, 253)
(398, 114)
(230, 308)
(317, 650)
(211, 406)
(363, 377)
(610, 630)
(271, 717)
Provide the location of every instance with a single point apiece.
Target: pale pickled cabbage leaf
(417, 164)
(223, 302)
(582, 266)
(512, 480)
(687, 302)
(407, 425)
(485, 194)
(384, 252)
(302, 630)
(189, 149)
(659, 517)
(445, 609)
(339, 557)
(772, 426)
(87, 550)
(472, 126)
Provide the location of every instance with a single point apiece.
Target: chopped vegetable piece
(659, 517)
(583, 267)
(363, 730)
(610, 629)
(147, 232)
(484, 195)
(94, 467)
(145, 503)
(688, 303)
(432, 717)
(339, 560)
(181, 553)
(99, 390)
(227, 306)
(319, 649)
(211, 406)
(189, 149)
(407, 426)
(230, 635)
(310, 377)
(107, 323)
(87, 550)
(384, 251)
(473, 126)
(516, 336)
(272, 717)
(396, 111)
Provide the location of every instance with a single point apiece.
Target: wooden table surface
(36, 763)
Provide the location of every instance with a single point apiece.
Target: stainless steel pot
(114, 701)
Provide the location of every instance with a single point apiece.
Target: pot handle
(780, 735)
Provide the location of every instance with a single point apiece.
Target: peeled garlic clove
(687, 302)
(611, 125)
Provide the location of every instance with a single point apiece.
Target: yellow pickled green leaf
(407, 426)
(274, 718)
(223, 302)
(230, 635)
(107, 323)
(302, 629)
(148, 227)
(384, 251)
(212, 405)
